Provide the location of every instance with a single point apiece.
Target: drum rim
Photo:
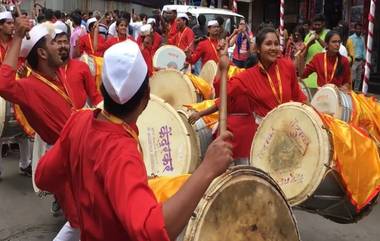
(189, 84)
(3, 113)
(174, 113)
(162, 48)
(309, 95)
(324, 151)
(223, 181)
(212, 65)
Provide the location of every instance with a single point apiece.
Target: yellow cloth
(99, 70)
(366, 114)
(165, 187)
(357, 160)
(19, 115)
(233, 70)
(202, 86)
(210, 120)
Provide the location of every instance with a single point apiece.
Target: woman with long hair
(330, 66)
(256, 91)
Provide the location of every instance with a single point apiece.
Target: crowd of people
(95, 167)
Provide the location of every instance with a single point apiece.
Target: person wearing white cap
(122, 33)
(6, 31)
(207, 49)
(184, 38)
(102, 148)
(76, 75)
(91, 43)
(148, 30)
(170, 16)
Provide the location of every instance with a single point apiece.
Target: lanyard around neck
(278, 95)
(325, 68)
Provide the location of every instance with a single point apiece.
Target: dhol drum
(95, 65)
(9, 127)
(305, 90)
(294, 146)
(243, 204)
(208, 71)
(169, 143)
(169, 56)
(330, 100)
(200, 130)
(174, 87)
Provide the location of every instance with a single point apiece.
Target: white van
(231, 19)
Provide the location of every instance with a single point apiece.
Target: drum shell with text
(174, 87)
(169, 144)
(242, 204)
(330, 100)
(295, 148)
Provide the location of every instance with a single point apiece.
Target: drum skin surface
(169, 56)
(293, 147)
(167, 146)
(244, 204)
(174, 87)
(208, 71)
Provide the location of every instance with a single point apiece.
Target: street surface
(26, 217)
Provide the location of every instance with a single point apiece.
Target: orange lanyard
(274, 91)
(54, 87)
(126, 127)
(180, 37)
(213, 47)
(334, 69)
(90, 41)
(65, 80)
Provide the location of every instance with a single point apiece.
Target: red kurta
(172, 29)
(80, 84)
(107, 185)
(157, 40)
(3, 50)
(85, 44)
(250, 92)
(148, 57)
(114, 40)
(317, 65)
(184, 39)
(206, 50)
(45, 109)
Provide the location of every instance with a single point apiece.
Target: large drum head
(167, 146)
(208, 71)
(242, 205)
(174, 87)
(293, 147)
(169, 56)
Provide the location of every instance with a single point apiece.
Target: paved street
(26, 217)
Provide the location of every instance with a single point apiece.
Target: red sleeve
(173, 40)
(90, 86)
(198, 53)
(346, 71)
(235, 87)
(297, 94)
(132, 200)
(157, 42)
(10, 88)
(190, 38)
(82, 44)
(310, 67)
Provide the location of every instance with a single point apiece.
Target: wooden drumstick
(223, 102)
(16, 3)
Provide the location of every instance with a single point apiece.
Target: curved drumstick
(17, 5)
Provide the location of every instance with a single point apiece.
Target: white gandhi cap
(183, 15)
(36, 33)
(212, 23)
(124, 71)
(6, 15)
